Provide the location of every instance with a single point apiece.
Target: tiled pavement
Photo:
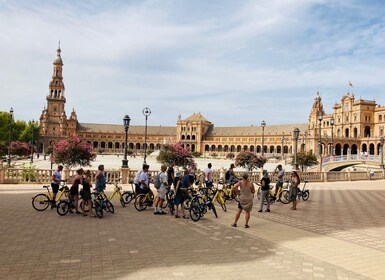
(337, 234)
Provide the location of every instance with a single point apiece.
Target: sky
(235, 62)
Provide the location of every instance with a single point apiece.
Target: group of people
(180, 182)
(83, 178)
(247, 191)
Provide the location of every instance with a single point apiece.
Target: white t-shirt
(280, 175)
(56, 177)
(208, 174)
(163, 179)
(143, 177)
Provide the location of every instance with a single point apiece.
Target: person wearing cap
(265, 187)
(178, 200)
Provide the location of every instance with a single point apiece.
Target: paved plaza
(337, 234)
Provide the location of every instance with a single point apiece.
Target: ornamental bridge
(337, 163)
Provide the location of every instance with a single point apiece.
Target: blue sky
(236, 62)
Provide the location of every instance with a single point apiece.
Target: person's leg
(247, 218)
(76, 202)
(268, 201)
(237, 216)
(156, 205)
(261, 201)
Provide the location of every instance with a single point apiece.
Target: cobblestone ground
(337, 234)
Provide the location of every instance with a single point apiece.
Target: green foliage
(249, 160)
(149, 152)
(73, 152)
(175, 154)
(29, 172)
(130, 152)
(214, 155)
(230, 156)
(196, 154)
(305, 159)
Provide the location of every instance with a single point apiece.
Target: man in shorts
(144, 181)
(208, 176)
(279, 179)
(56, 179)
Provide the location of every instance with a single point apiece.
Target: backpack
(227, 175)
(157, 182)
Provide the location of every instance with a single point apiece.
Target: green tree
(305, 160)
(175, 154)
(72, 152)
(249, 160)
(230, 156)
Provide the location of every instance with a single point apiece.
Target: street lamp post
(296, 135)
(263, 124)
(319, 139)
(10, 132)
(146, 113)
(126, 123)
(283, 139)
(382, 151)
(32, 150)
(332, 124)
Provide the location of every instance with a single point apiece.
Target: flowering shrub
(249, 160)
(72, 152)
(20, 148)
(230, 155)
(175, 154)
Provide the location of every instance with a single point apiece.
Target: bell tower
(53, 118)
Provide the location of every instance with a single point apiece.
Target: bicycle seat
(46, 187)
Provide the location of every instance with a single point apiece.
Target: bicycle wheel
(127, 197)
(187, 203)
(195, 213)
(305, 195)
(99, 211)
(236, 196)
(40, 202)
(62, 208)
(110, 207)
(140, 202)
(285, 197)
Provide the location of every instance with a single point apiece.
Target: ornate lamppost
(382, 151)
(10, 132)
(332, 124)
(296, 136)
(146, 113)
(319, 138)
(32, 150)
(263, 124)
(126, 123)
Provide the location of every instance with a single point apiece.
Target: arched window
(380, 118)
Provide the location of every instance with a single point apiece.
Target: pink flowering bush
(20, 148)
(175, 154)
(249, 160)
(72, 152)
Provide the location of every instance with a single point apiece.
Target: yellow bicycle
(219, 196)
(41, 201)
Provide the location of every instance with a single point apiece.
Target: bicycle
(219, 197)
(41, 201)
(229, 193)
(102, 204)
(282, 196)
(304, 194)
(65, 206)
(200, 204)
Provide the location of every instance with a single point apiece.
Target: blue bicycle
(102, 204)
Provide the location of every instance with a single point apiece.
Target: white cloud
(253, 58)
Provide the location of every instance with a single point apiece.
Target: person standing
(100, 179)
(294, 183)
(162, 191)
(208, 176)
(265, 187)
(170, 175)
(191, 173)
(178, 200)
(74, 190)
(87, 193)
(279, 180)
(56, 179)
(247, 191)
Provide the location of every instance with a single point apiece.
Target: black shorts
(239, 205)
(145, 191)
(74, 191)
(55, 187)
